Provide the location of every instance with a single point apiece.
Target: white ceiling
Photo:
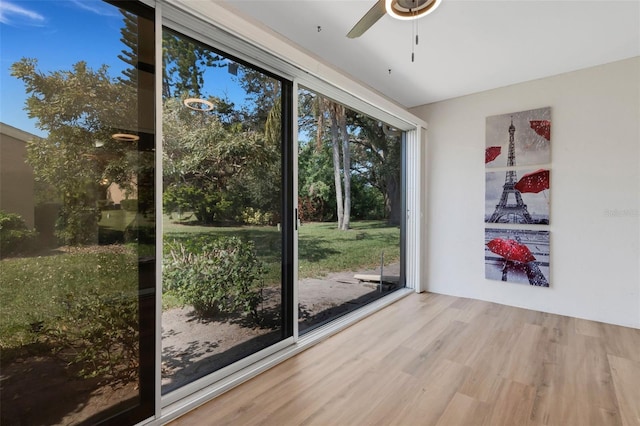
(465, 46)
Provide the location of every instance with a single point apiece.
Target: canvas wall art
(517, 196)
(517, 256)
(517, 183)
(518, 139)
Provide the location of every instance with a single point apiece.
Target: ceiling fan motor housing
(410, 9)
(399, 9)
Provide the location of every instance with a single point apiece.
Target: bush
(78, 225)
(225, 277)
(251, 216)
(97, 334)
(15, 236)
(209, 205)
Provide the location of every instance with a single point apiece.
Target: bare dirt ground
(192, 348)
(40, 390)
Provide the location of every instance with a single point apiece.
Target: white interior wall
(595, 193)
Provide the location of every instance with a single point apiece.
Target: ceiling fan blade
(369, 18)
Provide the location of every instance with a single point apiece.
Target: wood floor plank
(352, 404)
(488, 364)
(464, 411)
(623, 342)
(626, 381)
(433, 395)
(435, 348)
(524, 364)
(437, 360)
(588, 328)
(513, 405)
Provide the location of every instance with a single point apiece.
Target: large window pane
(350, 207)
(223, 211)
(76, 212)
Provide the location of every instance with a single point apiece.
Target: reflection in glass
(350, 207)
(222, 202)
(76, 213)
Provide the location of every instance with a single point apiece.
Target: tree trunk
(393, 200)
(335, 142)
(346, 167)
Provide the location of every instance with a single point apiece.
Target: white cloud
(98, 8)
(10, 10)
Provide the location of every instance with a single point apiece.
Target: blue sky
(59, 34)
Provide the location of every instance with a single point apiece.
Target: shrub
(15, 236)
(251, 216)
(78, 225)
(97, 334)
(225, 277)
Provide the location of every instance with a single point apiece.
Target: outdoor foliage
(214, 169)
(43, 292)
(345, 149)
(183, 63)
(15, 236)
(97, 334)
(220, 162)
(252, 216)
(79, 109)
(377, 155)
(225, 276)
(78, 226)
(316, 195)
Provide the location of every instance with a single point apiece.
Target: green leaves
(97, 334)
(225, 276)
(215, 169)
(80, 109)
(15, 236)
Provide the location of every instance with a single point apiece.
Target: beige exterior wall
(16, 176)
(116, 194)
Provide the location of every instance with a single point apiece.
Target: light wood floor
(440, 360)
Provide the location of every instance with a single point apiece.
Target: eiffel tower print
(504, 207)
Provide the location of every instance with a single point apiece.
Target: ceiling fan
(399, 9)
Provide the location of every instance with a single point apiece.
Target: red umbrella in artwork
(533, 182)
(491, 153)
(511, 250)
(542, 127)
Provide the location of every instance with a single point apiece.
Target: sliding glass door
(87, 191)
(77, 229)
(226, 208)
(350, 186)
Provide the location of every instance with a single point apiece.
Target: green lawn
(34, 288)
(322, 248)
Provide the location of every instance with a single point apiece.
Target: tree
(183, 67)
(378, 158)
(129, 55)
(346, 166)
(335, 145)
(315, 169)
(325, 109)
(223, 164)
(208, 163)
(80, 109)
(264, 93)
(262, 113)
